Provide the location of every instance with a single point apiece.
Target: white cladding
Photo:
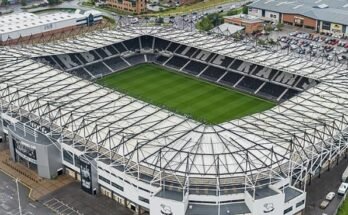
(24, 24)
(272, 15)
(255, 12)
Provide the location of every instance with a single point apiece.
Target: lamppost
(19, 199)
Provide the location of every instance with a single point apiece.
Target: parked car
(220, 9)
(324, 204)
(293, 47)
(330, 196)
(293, 34)
(342, 190)
(301, 51)
(285, 46)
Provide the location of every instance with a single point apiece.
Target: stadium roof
(335, 11)
(227, 29)
(135, 132)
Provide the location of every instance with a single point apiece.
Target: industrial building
(27, 25)
(322, 16)
(57, 120)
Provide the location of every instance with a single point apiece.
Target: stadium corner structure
(56, 118)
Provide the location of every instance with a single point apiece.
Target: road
(186, 21)
(319, 187)
(9, 199)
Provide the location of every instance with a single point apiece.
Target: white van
(345, 175)
(343, 189)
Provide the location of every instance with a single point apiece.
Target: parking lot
(60, 207)
(9, 199)
(316, 46)
(72, 200)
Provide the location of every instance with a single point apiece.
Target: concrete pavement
(40, 187)
(9, 199)
(85, 203)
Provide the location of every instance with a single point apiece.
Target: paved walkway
(39, 187)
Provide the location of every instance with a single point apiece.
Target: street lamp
(19, 199)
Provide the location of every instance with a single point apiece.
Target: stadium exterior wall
(51, 156)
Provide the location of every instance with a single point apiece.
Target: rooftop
(291, 193)
(21, 21)
(263, 192)
(327, 10)
(227, 29)
(245, 18)
(225, 209)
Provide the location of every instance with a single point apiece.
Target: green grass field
(183, 94)
(343, 210)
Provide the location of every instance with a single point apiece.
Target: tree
(268, 27)
(245, 9)
(280, 26)
(159, 20)
(4, 2)
(23, 2)
(215, 19)
(53, 2)
(233, 12)
(205, 24)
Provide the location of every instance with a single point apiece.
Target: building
(250, 23)
(321, 16)
(132, 6)
(56, 119)
(227, 29)
(28, 25)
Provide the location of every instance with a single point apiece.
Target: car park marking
(60, 207)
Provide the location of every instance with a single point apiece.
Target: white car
(324, 204)
(330, 196)
(233, 7)
(342, 190)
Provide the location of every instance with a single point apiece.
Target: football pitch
(183, 94)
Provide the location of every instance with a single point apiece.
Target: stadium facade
(57, 120)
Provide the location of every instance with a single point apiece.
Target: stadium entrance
(3, 140)
(26, 163)
(25, 154)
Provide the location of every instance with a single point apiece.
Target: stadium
(171, 122)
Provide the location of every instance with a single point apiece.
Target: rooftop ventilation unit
(322, 6)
